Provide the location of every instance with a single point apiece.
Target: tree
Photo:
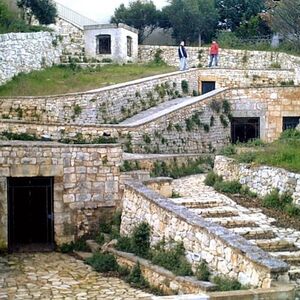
(141, 15)
(190, 19)
(285, 19)
(234, 13)
(43, 10)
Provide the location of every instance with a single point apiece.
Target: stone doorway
(30, 214)
(244, 129)
(207, 86)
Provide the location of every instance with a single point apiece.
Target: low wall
(162, 278)
(25, 52)
(228, 58)
(224, 251)
(260, 179)
(86, 182)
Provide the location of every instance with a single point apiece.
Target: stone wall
(86, 182)
(228, 58)
(118, 102)
(25, 52)
(260, 179)
(224, 251)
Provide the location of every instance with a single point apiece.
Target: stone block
(24, 170)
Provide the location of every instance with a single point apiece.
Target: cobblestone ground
(58, 276)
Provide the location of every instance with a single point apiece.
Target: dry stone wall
(224, 251)
(228, 58)
(118, 102)
(25, 52)
(260, 179)
(86, 182)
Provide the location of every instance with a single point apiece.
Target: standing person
(182, 57)
(214, 53)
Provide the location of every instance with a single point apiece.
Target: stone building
(118, 43)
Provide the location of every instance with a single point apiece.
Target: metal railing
(72, 16)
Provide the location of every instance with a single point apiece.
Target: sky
(100, 10)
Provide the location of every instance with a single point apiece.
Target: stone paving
(283, 243)
(58, 276)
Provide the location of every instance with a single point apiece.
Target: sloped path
(251, 223)
(58, 276)
(165, 108)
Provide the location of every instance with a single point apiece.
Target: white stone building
(118, 43)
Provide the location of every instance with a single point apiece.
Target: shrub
(103, 262)
(173, 259)
(292, 210)
(100, 239)
(105, 228)
(290, 134)
(124, 244)
(141, 239)
(67, 247)
(271, 200)
(211, 178)
(185, 86)
(226, 284)
(136, 278)
(202, 272)
(230, 187)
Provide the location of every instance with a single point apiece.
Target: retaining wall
(224, 251)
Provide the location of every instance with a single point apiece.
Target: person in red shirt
(214, 53)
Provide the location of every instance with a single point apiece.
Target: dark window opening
(129, 46)
(244, 129)
(30, 214)
(207, 86)
(290, 122)
(104, 44)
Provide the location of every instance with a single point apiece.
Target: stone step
(233, 222)
(275, 245)
(202, 204)
(292, 258)
(251, 233)
(216, 213)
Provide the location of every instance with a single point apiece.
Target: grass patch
(64, 79)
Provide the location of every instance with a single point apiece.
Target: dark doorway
(30, 211)
(207, 86)
(244, 129)
(290, 122)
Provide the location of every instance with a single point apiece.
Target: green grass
(61, 79)
(282, 153)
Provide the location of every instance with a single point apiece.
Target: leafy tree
(141, 15)
(256, 26)
(285, 19)
(190, 18)
(233, 13)
(43, 10)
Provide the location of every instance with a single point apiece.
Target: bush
(202, 272)
(136, 278)
(124, 244)
(290, 134)
(230, 187)
(173, 259)
(100, 239)
(226, 284)
(211, 178)
(67, 247)
(103, 262)
(246, 157)
(272, 199)
(141, 239)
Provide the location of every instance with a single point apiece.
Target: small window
(290, 122)
(129, 46)
(103, 44)
(207, 86)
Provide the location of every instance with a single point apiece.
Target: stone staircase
(250, 223)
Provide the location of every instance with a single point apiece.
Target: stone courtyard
(58, 276)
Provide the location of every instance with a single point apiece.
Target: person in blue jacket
(182, 57)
